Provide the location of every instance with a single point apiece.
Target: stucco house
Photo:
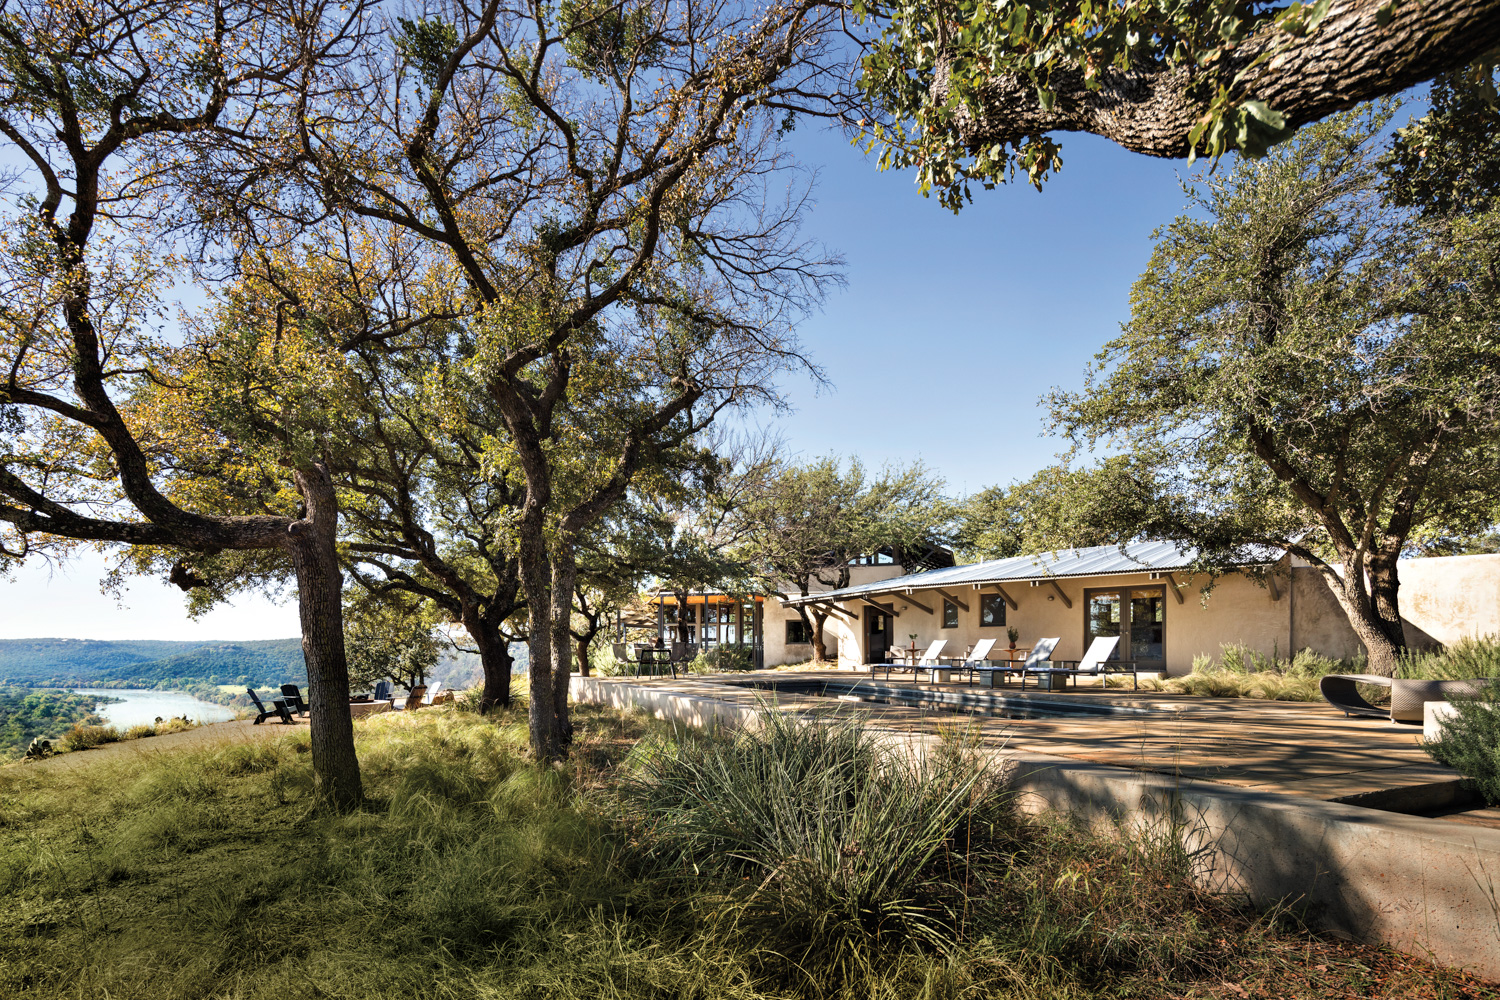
(1143, 593)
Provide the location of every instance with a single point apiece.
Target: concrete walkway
(1296, 748)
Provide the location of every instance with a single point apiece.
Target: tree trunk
(536, 578)
(494, 659)
(1383, 648)
(321, 609)
(820, 649)
(564, 578)
(583, 652)
(1350, 58)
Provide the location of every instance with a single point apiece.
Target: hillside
(148, 662)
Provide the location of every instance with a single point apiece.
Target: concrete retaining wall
(1427, 887)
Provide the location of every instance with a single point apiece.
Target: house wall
(1442, 598)
(836, 633)
(1236, 609)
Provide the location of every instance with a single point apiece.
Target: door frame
(1125, 591)
(890, 628)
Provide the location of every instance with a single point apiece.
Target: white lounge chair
(1096, 661)
(974, 658)
(932, 660)
(1039, 661)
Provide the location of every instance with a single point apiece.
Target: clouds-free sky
(950, 329)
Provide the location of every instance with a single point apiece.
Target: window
(991, 610)
(950, 614)
(797, 632)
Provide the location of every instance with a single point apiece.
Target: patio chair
(1407, 696)
(278, 707)
(414, 698)
(434, 692)
(1039, 662)
(292, 694)
(1096, 661)
(974, 658)
(382, 691)
(930, 661)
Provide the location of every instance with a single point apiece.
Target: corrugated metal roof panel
(1099, 560)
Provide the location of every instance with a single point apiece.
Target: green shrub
(1470, 742)
(84, 737)
(721, 659)
(824, 833)
(1469, 657)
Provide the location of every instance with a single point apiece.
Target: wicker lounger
(1407, 696)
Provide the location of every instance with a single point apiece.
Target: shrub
(821, 831)
(138, 732)
(1470, 742)
(83, 737)
(1471, 656)
(176, 725)
(723, 658)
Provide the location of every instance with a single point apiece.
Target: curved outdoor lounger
(1406, 696)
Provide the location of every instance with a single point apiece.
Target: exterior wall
(1443, 599)
(836, 632)
(1236, 610)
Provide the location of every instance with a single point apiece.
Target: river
(139, 706)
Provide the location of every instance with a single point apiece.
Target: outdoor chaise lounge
(974, 658)
(927, 660)
(1096, 662)
(1040, 654)
(278, 707)
(1407, 696)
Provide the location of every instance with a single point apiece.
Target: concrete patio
(1295, 748)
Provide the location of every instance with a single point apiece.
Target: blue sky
(950, 329)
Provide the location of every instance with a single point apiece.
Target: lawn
(654, 864)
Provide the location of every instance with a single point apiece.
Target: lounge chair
(382, 691)
(278, 707)
(292, 694)
(1407, 696)
(931, 661)
(974, 658)
(1037, 660)
(414, 698)
(1096, 662)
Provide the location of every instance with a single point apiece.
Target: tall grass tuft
(834, 837)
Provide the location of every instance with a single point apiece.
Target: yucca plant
(824, 831)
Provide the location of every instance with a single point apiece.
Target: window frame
(949, 606)
(800, 624)
(992, 600)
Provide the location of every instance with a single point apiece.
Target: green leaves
(426, 45)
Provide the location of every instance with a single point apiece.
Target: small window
(991, 610)
(950, 614)
(797, 632)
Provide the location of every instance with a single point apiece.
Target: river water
(138, 706)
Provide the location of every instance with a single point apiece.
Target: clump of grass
(84, 737)
(1242, 672)
(139, 732)
(823, 830)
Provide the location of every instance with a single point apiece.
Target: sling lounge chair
(930, 661)
(278, 707)
(1096, 661)
(1407, 696)
(1039, 662)
(975, 658)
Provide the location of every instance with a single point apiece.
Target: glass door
(877, 635)
(1137, 615)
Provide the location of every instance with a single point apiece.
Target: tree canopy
(1309, 368)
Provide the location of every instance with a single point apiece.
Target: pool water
(991, 707)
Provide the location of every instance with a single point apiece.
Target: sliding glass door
(1137, 615)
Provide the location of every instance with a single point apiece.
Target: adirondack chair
(278, 707)
(293, 696)
(414, 698)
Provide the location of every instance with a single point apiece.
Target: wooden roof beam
(1067, 601)
(949, 597)
(914, 602)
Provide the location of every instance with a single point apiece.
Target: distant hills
(148, 662)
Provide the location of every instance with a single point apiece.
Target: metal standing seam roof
(1098, 560)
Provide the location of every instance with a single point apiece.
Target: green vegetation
(1469, 657)
(1241, 672)
(25, 715)
(1470, 743)
(474, 873)
(151, 663)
